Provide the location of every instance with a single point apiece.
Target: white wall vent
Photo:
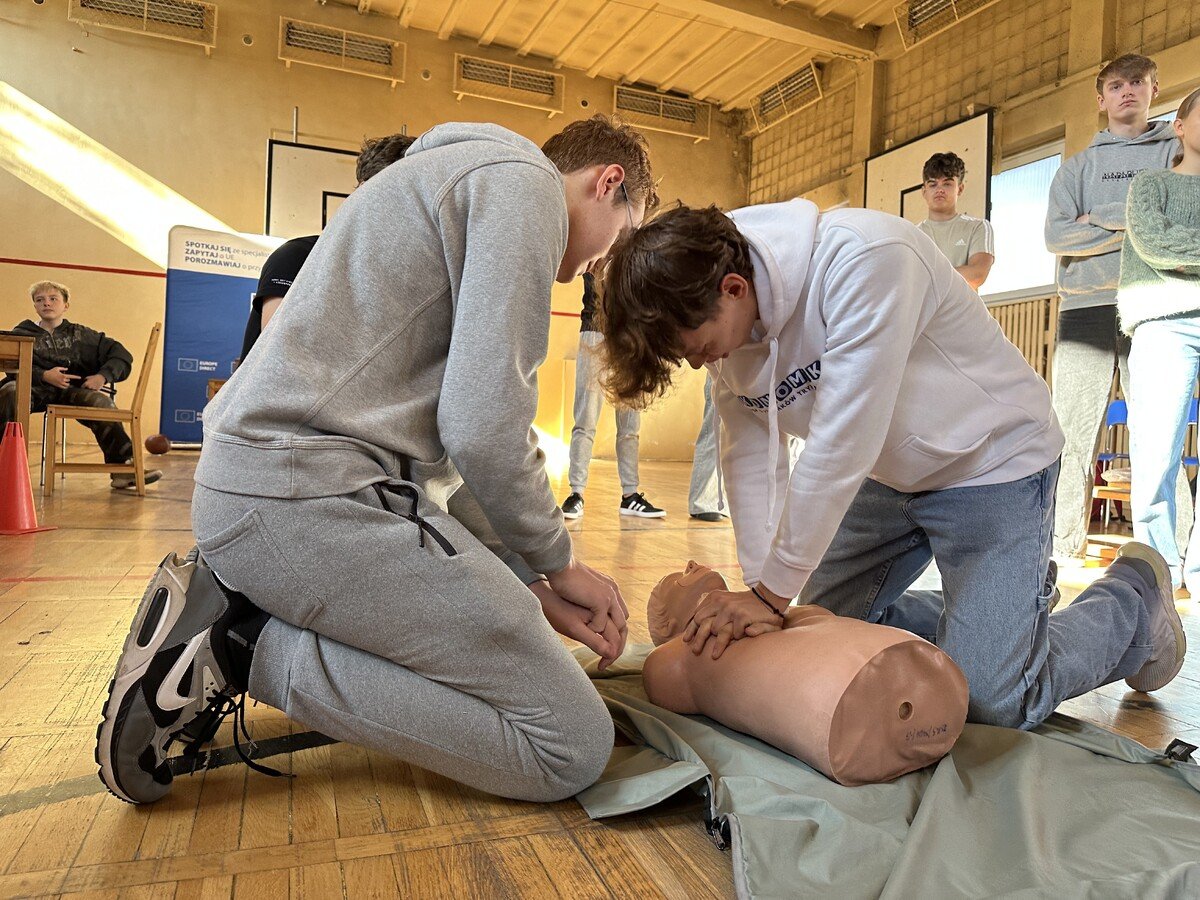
(657, 111)
(491, 80)
(786, 97)
(344, 51)
(919, 20)
(190, 21)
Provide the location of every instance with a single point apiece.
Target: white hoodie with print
(872, 349)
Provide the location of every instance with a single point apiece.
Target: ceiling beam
(595, 68)
(578, 37)
(864, 18)
(496, 22)
(406, 12)
(540, 28)
(364, 7)
(785, 68)
(450, 19)
(691, 59)
(638, 68)
(824, 7)
(788, 24)
(701, 91)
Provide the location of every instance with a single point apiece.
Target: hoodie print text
(800, 382)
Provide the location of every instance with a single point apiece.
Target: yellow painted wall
(1034, 61)
(200, 125)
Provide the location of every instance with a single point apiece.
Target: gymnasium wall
(199, 126)
(1035, 61)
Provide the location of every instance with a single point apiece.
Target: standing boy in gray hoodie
(371, 482)
(1085, 225)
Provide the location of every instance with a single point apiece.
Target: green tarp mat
(1067, 811)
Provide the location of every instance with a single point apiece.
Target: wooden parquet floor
(352, 823)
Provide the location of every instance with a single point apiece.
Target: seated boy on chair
(71, 366)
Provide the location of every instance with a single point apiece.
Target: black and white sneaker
(572, 507)
(638, 505)
(172, 680)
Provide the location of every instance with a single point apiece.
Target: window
(1020, 195)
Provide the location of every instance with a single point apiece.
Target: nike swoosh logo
(168, 696)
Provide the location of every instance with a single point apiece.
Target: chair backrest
(139, 393)
(1118, 414)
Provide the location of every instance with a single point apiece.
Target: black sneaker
(638, 505)
(572, 507)
(172, 680)
(707, 516)
(121, 480)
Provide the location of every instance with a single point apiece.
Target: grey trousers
(1090, 349)
(589, 400)
(439, 657)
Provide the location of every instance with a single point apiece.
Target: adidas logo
(961, 242)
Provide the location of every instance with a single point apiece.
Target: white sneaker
(1167, 638)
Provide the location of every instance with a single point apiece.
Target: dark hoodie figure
(73, 366)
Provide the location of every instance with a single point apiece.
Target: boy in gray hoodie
(370, 480)
(1085, 225)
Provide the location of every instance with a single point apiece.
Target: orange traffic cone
(17, 515)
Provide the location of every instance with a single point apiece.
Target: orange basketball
(158, 443)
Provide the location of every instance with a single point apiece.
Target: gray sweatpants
(445, 661)
(1089, 350)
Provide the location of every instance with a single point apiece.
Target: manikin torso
(866, 703)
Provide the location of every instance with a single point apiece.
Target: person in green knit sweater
(1159, 306)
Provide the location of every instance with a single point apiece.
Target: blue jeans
(589, 400)
(1163, 366)
(992, 544)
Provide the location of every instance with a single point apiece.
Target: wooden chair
(131, 417)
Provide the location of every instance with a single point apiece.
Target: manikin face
(50, 305)
(941, 194)
(1127, 100)
(728, 329)
(598, 210)
(675, 598)
(1188, 130)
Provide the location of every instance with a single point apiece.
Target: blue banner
(211, 279)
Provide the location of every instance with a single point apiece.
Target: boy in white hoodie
(926, 435)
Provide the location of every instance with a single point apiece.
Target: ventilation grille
(189, 21)
(491, 80)
(344, 51)
(786, 98)
(656, 111)
(919, 20)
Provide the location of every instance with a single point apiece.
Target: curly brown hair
(379, 153)
(601, 141)
(661, 278)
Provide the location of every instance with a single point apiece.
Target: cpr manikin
(863, 703)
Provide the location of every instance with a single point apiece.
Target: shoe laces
(221, 707)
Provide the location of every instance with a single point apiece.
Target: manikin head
(679, 288)
(676, 597)
(609, 187)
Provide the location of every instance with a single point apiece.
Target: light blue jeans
(589, 400)
(703, 494)
(992, 545)
(1163, 365)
